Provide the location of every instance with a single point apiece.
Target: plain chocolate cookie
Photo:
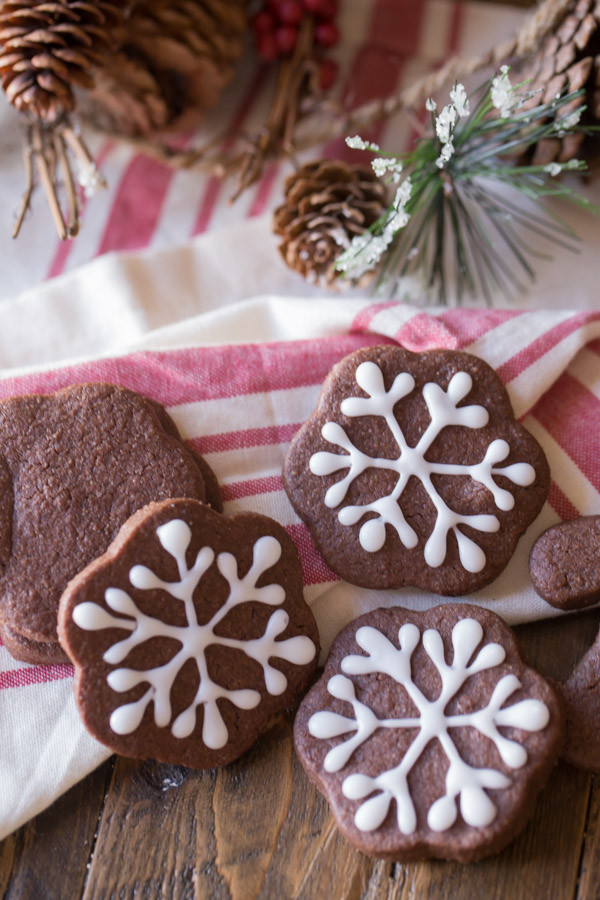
(581, 695)
(74, 466)
(564, 563)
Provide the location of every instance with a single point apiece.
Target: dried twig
(72, 201)
(29, 184)
(311, 129)
(46, 155)
(290, 128)
(46, 169)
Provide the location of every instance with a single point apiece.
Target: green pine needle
(453, 220)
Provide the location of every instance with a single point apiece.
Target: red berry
(326, 34)
(263, 21)
(328, 9)
(286, 38)
(290, 12)
(317, 6)
(266, 45)
(328, 71)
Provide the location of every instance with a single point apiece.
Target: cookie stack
(189, 631)
(74, 466)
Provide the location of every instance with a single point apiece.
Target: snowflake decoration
(465, 785)
(443, 411)
(175, 537)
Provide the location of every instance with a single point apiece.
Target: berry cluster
(276, 28)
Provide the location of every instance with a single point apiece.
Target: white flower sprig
(445, 123)
(366, 250)
(503, 95)
(445, 208)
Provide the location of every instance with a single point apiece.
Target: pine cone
(47, 48)
(174, 61)
(327, 203)
(567, 60)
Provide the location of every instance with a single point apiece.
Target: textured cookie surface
(413, 471)
(581, 695)
(564, 563)
(189, 634)
(74, 466)
(427, 733)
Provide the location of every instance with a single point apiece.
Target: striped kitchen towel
(240, 404)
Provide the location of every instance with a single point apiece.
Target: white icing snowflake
(465, 785)
(175, 537)
(443, 410)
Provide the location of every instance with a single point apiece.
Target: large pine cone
(174, 60)
(327, 203)
(47, 48)
(567, 60)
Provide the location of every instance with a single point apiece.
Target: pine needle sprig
(455, 220)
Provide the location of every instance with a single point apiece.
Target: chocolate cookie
(564, 563)
(74, 466)
(581, 695)
(427, 733)
(413, 471)
(189, 634)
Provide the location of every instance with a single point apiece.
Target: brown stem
(283, 113)
(29, 184)
(73, 204)
(44, 162)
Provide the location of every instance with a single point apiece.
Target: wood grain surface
(259, 829)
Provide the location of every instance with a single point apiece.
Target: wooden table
(257, 828)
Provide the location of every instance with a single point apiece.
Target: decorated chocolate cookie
(427, 733)
(189, 634)
(564, 563)
(74, 466)
(581, 695)
(413, 470)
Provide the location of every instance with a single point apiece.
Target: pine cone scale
(586, 30)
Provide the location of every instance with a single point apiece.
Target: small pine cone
(327, 203)
(47, 48)
(568, 60)
(174, 60)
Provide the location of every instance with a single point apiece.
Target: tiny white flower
(503, 96)
(553, 169)
(569, 121)
(402, 195)
(340, 236)
(357, 143)
(459, 98)
(381, 165)
(445, 122)
(430, 105)
(399, 220)
(445, 155)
